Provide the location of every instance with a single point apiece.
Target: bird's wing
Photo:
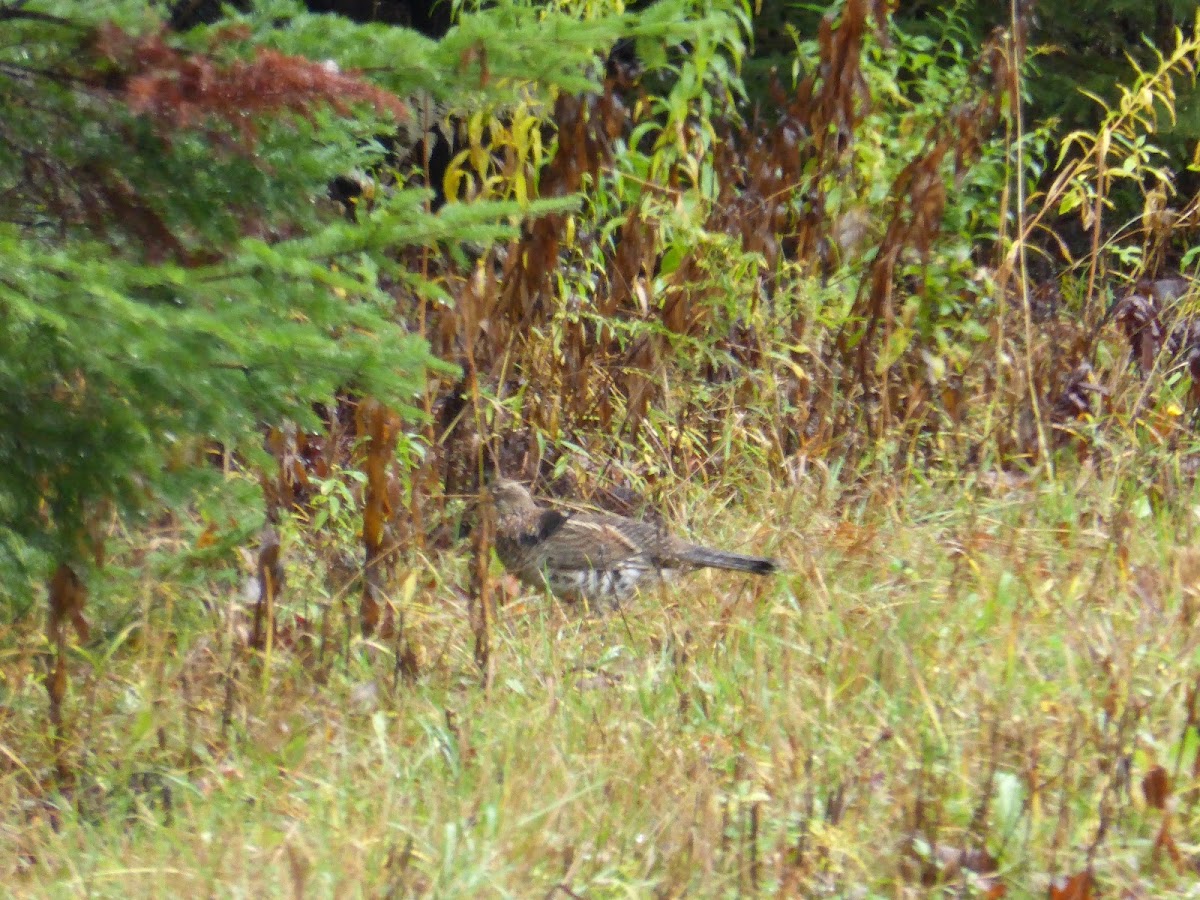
(593, 542)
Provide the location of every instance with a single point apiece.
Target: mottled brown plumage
(595, 557)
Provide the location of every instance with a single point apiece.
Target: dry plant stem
(481, 597)
(381, 426)
(999, 342)
(417, 531)
(269, 571)
(1013, 47)
(67, 596)
(1101, 181)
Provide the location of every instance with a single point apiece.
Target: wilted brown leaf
(1156, 787)
(208, 537)
(68, 595)
(1076, 887)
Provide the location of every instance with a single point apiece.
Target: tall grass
(955, 685)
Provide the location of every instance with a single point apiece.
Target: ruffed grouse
(593, 557)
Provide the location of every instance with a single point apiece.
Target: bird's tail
(723, 559)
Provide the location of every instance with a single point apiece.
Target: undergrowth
(966, 684)
(814, 332)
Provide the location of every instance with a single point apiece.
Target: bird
(596, 558)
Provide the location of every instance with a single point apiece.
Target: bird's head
(511, 497)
